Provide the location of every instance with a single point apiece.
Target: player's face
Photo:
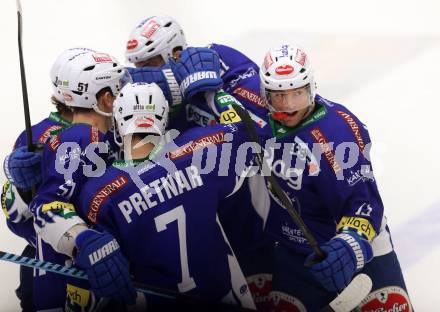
(155, 61)
(289, 106)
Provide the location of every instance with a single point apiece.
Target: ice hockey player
(158, 39)
(23, 170)
(164, 216)
(89, 82)
(161, 39)
(327, 173)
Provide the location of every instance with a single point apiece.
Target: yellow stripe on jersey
(229, 116)
(360, 225)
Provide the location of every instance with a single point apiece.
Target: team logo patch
(102, 58)
(63, 209)
(189, 148)
(392, 298)
(101, 196)
(286, 303)
(45, 135)
(144, 122)
(132, 44)
(8, 198)
(260, 286)
(284, 70)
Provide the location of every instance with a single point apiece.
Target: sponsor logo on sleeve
(325, 147)
(354, 128)
(247, 94)
(54, 142)
(191, 147)
(360, 225)
(199, 116)
(46, 134)
(102, 195)
(63, 209)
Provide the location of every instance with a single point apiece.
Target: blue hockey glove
(100, 256)
(347, 253)
(163, 77)
(198, 70)
(23, 168)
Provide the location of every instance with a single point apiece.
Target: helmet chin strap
(100, 112)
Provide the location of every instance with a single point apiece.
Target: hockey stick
(27, 117)
(361, 285)
(351, 296)
(140, 287)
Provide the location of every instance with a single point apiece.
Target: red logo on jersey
(281, 301)
(54, 142)
(260, 286)
(144, 122)
(131, 44)
(354, 128)
(392, 298)
(284, 70)
(102, 58)
(149, 30)
(250, 96)
(94, 135)
(191, 147)
(300, 57)
(101, 196)
(325, 147)
(46, 134)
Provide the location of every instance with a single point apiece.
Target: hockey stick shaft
(140, 287)
(27, 117)
(287, 203)
(76, 273)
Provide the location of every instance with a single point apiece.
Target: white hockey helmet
(285, 68)
(85, 74)
(156, 35)
(140, 108)
(59, 62)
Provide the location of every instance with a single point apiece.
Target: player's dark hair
(62, 108)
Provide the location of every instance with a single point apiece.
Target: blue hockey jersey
(323, 165)
(166, 219)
